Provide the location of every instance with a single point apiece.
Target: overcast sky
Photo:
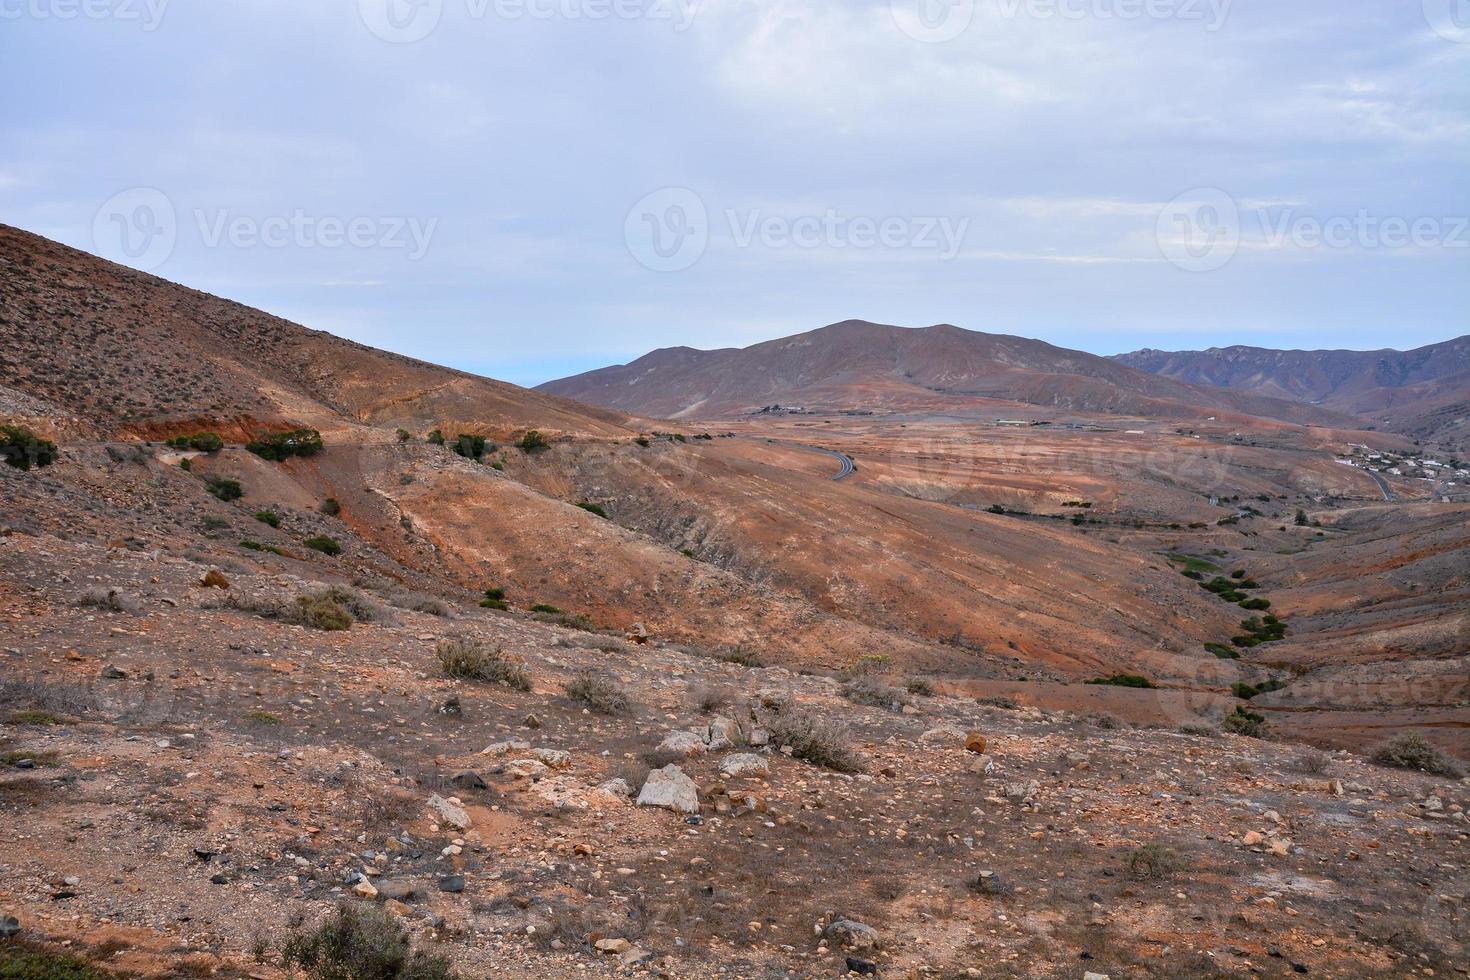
(532, 188)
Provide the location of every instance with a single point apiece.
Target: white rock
(671, 789)
(721, 733)
(683, 743)
(743, 764)
(509, 745)
(553, 758)
(449, 813)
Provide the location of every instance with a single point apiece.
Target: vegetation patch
(1413, 751)
(533, 442)
(23, 449)
(279, 446)
(494, 599)
(268, 517)
(1124, 680)
(470, 446)
(204, 442)
(468, 658)
(225, 488)
(599, 693)
(592, 508)
(249, 545)
(322, 611)
(1244, 722)
(814, 740)
(30, 961)
(325, 544)
(360, 942)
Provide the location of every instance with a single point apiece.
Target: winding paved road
(842, 458)
(1382, 484)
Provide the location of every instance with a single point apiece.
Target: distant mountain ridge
(858, 364)
(1423, 392)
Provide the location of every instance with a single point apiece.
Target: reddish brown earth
(293, 754)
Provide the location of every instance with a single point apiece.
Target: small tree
(22, 448)
(533, 442)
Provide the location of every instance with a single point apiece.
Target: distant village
(1448, 476)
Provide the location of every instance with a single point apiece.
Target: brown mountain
(95, 348)
(1423, 392)
(856, 364)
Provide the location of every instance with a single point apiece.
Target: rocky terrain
(562, 692)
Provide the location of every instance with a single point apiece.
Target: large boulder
(683, 743)
(671, 789)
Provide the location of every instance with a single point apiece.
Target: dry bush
(420, 602)
(360, 941)
(1153, 861)
(360, 607)
(469, 658)
(1311, 761)
(874, 693)
(600, 693)
(815, 740)
(1413, 751)
(109, 598)
(710, 698)
(920, 686)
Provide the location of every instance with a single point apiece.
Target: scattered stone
(670, 789)
(721, 733)
(617, 787)
(365, 889)
(453, 884)
(613, 945)
(449, 813)
(683, 743)
(553, 758)
(862, 967)
(111, 673)
(9, 927)
(506, 747)
(852, 934)
(531, 721)
(527, 768)
(744, 764)
(975, 742)
(468, 779)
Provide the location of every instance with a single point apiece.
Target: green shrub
(1124, 680)
(1243, 722)
(323, 543)
(263, 717)
(1222, 651)
(322, 611)
(22, 448)
(600, 693)
(278, 446)
(533, 442)
(268, 517)
(470, 446)
(21, 960)
(204, 442)
(257, 546)
(186, 465)
(593, 509)
(1256, 603)
(435, 438)
(743, 656)
(404, 435)
(468, 658)
(1413, 751)
(498, 465)
(1243, 690)
(542, 607)
(225, 488)
(330, 507)
(360, 943)
(643, 441)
